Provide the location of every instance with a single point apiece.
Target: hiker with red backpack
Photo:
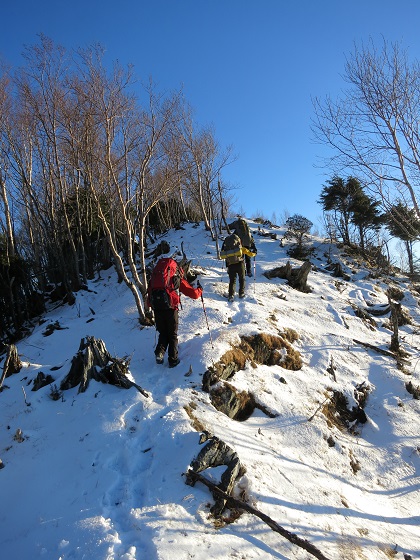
(233, 252)
(166, 284)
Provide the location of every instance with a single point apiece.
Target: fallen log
(239, 504)
(381, 350)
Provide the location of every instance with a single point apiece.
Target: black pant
(248, 264)
(233, 270)
(167, 326)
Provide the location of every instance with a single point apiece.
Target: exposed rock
(238, 405)
(162, 248)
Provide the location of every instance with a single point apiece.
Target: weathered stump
(338, 271)
(296, 277)
(93, 361)
(238, 405)
(395, 312)
(215, 454)
(42, 380)
(162, 249)
(12, 363)
(263, 233)
(365, 316)
(413, 390)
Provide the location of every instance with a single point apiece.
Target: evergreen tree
(349, 204)
(298, 228)
(402, 222)
(337, 197)
(365, 215)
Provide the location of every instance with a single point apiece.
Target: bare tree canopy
(92, 165)
(373, 128)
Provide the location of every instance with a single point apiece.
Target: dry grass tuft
(290, 335)
(195, 422)
(260, 348)
(336, 412)
(272, 350)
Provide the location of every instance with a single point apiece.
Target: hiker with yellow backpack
(242, 230)
(233, 253)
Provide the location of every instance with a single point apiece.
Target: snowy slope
(99, 475)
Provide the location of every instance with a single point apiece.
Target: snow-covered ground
(99, 475)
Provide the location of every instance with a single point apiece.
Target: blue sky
(249, 67)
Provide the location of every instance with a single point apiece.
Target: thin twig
(318, 409)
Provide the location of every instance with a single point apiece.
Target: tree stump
(162, 249)
(42, 380)
(12, 363)
(338, 271)
(93, 361)
(395, 312)
(215, 454)
(296, 277)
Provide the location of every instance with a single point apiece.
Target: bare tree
(4, 164)
(40, 157)
(101, 150)
(203, 163)
(125, 160)
(155, 167)
(373, 128)
(84, 160)
(17, 289)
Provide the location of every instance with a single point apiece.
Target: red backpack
(164, 284)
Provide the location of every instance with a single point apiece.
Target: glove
(253, 248)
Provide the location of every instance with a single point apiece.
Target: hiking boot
(159, 358)
(230, 298)
(249, 274)
(174, 363)
(241, 294)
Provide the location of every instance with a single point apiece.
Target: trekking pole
(254, 275)
(205, 313)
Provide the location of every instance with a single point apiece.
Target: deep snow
(99, 475)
